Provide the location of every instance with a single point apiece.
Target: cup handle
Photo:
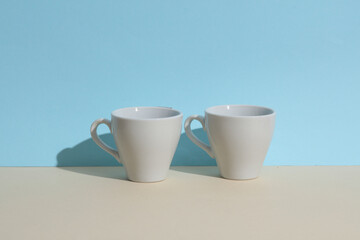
(98, 141)
(195, 139)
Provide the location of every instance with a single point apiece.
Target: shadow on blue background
(87, 153)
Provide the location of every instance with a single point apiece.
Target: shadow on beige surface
(106, 172)
(119, 172)
(200, 170)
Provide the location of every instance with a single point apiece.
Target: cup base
(240, 179)
(150, 181)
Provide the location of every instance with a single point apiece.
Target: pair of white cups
(147, 137)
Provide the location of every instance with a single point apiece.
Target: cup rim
(272, 112)
(177, 114)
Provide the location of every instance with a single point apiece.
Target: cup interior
(145, 113)
(239, 111)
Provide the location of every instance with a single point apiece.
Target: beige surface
(193, 203)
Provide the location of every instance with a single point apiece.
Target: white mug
(239, 137)
(146, 139)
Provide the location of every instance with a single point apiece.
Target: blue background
(64, 64)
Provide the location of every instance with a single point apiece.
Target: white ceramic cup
(239, 137)
(146, 139)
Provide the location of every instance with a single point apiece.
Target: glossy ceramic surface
(239, 137)
(146, 139)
